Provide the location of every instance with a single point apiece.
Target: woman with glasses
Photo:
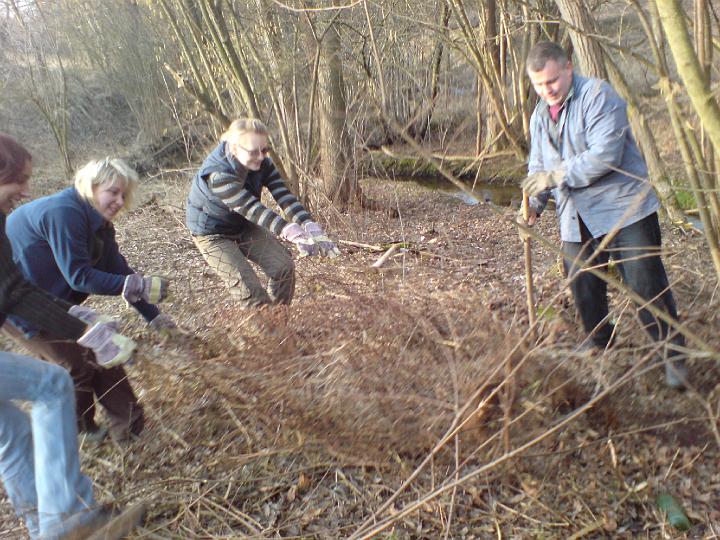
(231, 227)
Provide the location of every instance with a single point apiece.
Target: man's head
(550, 71)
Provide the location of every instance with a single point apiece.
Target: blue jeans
(636, 252)
(39, 462)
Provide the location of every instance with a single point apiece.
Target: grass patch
(685, 199)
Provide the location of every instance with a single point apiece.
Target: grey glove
(152, 289)
(90, 316)
(163, 324)
(326, 246)
(538, 182)
(520, 219)
(303, 241)
(110, 348)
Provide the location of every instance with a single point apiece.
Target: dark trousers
(636, 252)
(110, 386)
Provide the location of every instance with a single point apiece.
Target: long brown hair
(13, 157)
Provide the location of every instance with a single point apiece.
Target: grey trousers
(229, 256)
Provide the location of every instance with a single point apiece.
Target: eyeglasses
(255, 151)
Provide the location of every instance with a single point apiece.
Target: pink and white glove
(326, 246)
(110, 348)
(303, 241)
(90, 316)
(152, 289)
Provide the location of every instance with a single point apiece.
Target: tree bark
(704, 103)
(339, 185)
(434, 74)
(582, 25)
(490, 36)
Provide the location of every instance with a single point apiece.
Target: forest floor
(300, 421)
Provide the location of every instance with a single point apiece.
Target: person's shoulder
(66, 201)
(591, 88)
(35, 210)
(62, 207)
(215, 159)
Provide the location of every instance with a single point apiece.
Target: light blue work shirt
(605, 177)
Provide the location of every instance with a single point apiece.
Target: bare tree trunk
(338, 185)
(703, 49)
(434, 74)
(705, 105)
(494, 91)
(490, 36)
(479, 134)
(588, 51)
(196, 88)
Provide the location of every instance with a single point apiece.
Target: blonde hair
(241, 127)
(108, 170)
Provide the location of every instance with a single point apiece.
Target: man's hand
(110, 348)
(538, 182)
(327, 247)
(303, 241)
(152, 289)
(520, 219)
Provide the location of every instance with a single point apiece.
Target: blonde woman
(39, 461)
(231, 227)
(65, 244)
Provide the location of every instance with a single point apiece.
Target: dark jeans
(636, 252)
(110, 386)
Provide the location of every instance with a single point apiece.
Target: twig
(385, 256)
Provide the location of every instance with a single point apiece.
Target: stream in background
(501, 194)
(498, 193)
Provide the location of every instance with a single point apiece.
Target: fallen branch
(385, 256)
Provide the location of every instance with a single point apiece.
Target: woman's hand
(152, 289)
(303, 241)
(326, 246)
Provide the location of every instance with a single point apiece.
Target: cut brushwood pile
(375, 391)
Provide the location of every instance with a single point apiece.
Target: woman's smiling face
(109, 198)
(16, 190)
(250, 149)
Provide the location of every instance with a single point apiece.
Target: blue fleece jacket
(63, 245)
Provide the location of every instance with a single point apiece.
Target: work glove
(110, 348)
(90, 316)
(520, 219)
(538, 182)
(152, 289)
(326, 246)
(163, 324)
(294, 233)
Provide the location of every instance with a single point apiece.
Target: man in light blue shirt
(583, 152)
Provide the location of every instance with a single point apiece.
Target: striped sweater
(225, 195)
(230, 189)
(21, 298)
